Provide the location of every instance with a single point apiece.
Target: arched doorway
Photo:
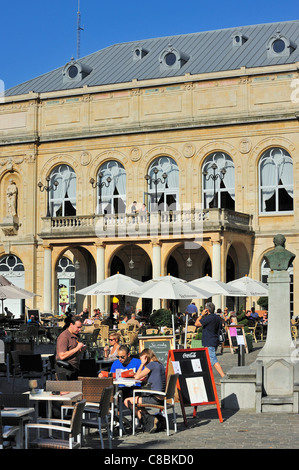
(131, 260)
(75, 269)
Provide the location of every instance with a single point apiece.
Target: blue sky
(41, 35)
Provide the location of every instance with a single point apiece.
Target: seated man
(133, 321)
(124, 362)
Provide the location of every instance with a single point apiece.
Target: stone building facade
(178, 118)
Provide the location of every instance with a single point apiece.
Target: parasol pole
(186, 327)
(173, 331)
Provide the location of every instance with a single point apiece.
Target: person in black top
(211, 324)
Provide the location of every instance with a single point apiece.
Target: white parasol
(169, 287)
(250, 286)
(216, 287)
(8, 290)
(113, 285)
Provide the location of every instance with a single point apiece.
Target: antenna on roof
(79, 29)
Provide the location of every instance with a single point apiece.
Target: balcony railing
(188, 223)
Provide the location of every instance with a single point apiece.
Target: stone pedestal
(279, 343)
(271, 384)
(10, 225)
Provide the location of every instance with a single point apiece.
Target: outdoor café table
(19, 413)
(49, 398)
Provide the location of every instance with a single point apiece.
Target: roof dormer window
(74, 72)
(280, 46)
(172, 58)
(139, 52)
(238, 39)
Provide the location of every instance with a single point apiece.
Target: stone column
(216, 268)
(47, 279)
(156, 268)
(279, 342)
(101, 273)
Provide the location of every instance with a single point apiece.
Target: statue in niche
(279, 259)
(11, 198)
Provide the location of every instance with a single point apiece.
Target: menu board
(196, 385)
(159, 344)
(236, 337)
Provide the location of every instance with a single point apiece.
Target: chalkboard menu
(159, 344)
(196, 385)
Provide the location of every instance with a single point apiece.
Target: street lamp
(156, 181)
(214, 177)
(48, 188)
(100, 184)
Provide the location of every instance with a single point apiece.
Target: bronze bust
(279, 259)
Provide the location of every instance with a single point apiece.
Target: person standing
(211, 324)
(69, 349)
(128, 310)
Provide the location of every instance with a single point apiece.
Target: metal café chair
(98, 416)
(92, 390)
(71, 427)
(31, 366)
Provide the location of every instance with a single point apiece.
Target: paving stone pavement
(239, 429)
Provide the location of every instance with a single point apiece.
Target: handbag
(221, 335)
(64, 364)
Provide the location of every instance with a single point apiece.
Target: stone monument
(271, 384)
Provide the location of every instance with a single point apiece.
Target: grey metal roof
(210, 51)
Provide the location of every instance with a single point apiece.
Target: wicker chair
(167, 401)
(103, 335)
(152, 331)
(294, 332)
(64, 386)
(254, 330)
(72, 427)
(91, 387)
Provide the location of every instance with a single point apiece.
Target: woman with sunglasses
(111, 351)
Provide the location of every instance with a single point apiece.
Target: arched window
(111, 197)
(63, 199)
(12, 268)
(167, 190)
(219, 191)
(276, 181)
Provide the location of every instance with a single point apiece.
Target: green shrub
(161, 317)
(263, 303)
(198, 333)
